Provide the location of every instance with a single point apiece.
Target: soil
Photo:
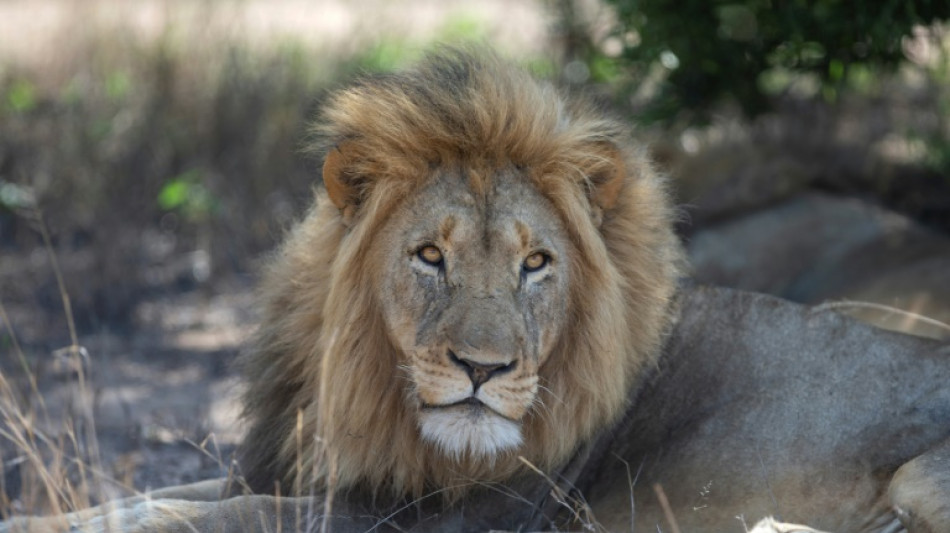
(163, 390)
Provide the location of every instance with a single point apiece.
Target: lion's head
(486, 276)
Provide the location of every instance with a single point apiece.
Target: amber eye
(430, 255)
(535, 262)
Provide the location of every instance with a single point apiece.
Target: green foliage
(710, 49)
(461, 28)
(21, 96)
(392, 53)
(385, 56)
(118, 85)
(187, 194)
(541, 67)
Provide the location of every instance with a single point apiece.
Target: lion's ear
(605, 176)
(343, 186)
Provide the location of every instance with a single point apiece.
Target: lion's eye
(535, 262)
(430, 255)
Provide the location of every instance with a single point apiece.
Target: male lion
(477, 326)
(487, 276)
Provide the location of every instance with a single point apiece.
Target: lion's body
(477, 308)
(760, 407)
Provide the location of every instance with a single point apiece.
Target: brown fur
(322, 348)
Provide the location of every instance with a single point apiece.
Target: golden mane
(322, 361)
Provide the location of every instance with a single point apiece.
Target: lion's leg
(920, 491)
(243, 514)
(209, 490)
(201, 491)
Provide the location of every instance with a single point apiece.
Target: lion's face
(473, 293)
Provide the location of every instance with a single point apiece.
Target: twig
(667, 511)
(884, 308)
(75, 351)
(67, 306)
(332, 479)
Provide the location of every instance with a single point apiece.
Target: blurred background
(151, 155)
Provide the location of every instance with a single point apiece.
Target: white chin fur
(461, 431)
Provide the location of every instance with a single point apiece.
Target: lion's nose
(480, 372)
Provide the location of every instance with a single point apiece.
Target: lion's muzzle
(474, 404)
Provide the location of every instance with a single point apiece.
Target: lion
(482, 323)
(414, 318)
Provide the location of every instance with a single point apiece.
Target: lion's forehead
(509, 214)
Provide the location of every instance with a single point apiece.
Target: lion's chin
(466, 430)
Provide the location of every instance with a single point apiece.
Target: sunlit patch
(462, 430)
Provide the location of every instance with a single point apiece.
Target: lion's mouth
(471, 405)
(471, 401)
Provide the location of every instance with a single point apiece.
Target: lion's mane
(322, 361)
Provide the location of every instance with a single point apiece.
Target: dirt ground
(162, 391)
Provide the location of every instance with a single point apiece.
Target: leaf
(174, 194)
(22, 96)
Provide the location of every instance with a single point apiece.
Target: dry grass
(96, 141)
(53, 479)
